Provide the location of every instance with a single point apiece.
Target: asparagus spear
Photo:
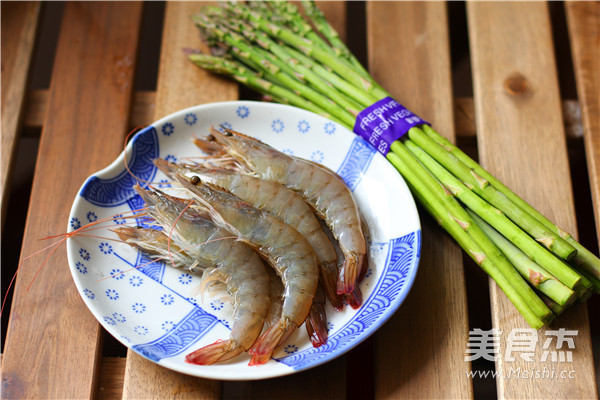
(497, 219)
(488, 192)
(537, 276)
(584, 259)
(281, 56)
(340, 48)
(435, 196)
(244, 76)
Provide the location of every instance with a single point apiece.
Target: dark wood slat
(426, 338)
(19, 27)
(53, 341)
(584, 29)
(142, 113)
(327, 381)
(521, 141)
(110, 382)
(180, 85)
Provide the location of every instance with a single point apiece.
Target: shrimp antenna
(7, 292)
(160, 258)
(173, 228)
(85, 228)
(64, 236)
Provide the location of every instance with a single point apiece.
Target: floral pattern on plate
(156, 310)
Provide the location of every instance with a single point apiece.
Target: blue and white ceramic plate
(155, 309)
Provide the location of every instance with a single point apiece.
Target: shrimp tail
(363, 271)
(329, 278)
(316, 325)
(265, 345)
(365, 263)
(355, 298)
(221, 350)
(349, 273)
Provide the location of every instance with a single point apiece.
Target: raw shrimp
(276, 306)
(287, 250)
(156, 244)
(278, 200)
(316, 322)
(237, 265)
(324, 190)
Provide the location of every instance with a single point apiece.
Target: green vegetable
(271, 48)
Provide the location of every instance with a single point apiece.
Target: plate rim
(118, 162)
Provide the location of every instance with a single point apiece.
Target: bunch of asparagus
(272, 48)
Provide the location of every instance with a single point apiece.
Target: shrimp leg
(288, 251)
(324, 190)
(235, 264)
(279, 201)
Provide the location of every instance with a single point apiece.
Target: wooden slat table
(514, 97)
(525, 133)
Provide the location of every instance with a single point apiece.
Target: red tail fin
(265, 345)
(316, 325)
(221, 350)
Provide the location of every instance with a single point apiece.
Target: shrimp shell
(288, 251)
(324, 190)
(234, 264)
(316, 322)
(280, 201)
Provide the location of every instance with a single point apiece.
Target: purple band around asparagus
(383, 122)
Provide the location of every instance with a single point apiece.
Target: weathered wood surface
(521, 141)
(327, 381)
(420, 351)
(53, 341)
(584, 30)
(180, 85)
(425, 339)
(142, 113)
(19, 27)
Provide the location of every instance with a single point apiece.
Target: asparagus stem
(552, 305)
(488, 192)
(358, 98)
(497, 219)
(423, 180)
(584, 259)
(456, 228)
(358, 94)
(535, 274)
(318, 82)
(281, 56)
(289, 12)
(310, 49)
(323, 26)
(246, 77)
(252, 27)
(299, 25)
(595, 282)
(247, 53)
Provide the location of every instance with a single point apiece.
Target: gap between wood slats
(142, 113)
(112, 368)
(48, 351)
(19, 28)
